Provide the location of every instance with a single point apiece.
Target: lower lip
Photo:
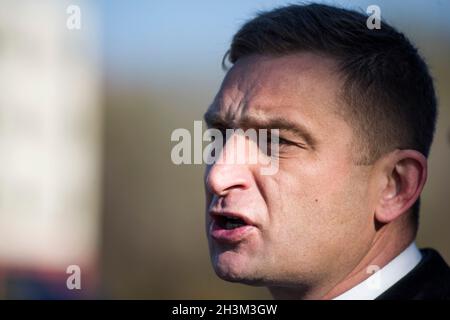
(231, 235)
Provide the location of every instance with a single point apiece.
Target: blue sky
(166, 38)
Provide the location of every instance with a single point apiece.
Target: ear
(403, 175)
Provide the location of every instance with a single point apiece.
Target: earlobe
(405, 175)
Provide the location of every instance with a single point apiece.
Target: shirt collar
(382, 279)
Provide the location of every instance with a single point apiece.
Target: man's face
(312, 221)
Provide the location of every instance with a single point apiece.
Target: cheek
(289, 205)
(318, 199)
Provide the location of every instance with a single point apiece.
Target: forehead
(303, 86)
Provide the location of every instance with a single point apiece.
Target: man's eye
(271, 149)
(281, 141)
(284, 143)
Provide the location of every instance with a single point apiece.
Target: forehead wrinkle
(239, 91)
(228, 108)
(220, 113)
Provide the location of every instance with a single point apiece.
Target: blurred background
(90, 92)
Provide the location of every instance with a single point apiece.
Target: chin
(235, 267)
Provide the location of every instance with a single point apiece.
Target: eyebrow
(251, 121)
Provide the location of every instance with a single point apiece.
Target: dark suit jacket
(430, 279)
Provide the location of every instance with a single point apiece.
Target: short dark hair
(387, 87)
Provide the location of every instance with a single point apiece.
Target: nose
(226, 173)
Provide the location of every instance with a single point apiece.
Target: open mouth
(230, 228)
(229, 223)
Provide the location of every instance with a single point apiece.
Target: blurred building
(49, 150)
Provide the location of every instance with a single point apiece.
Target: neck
(389, 241)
